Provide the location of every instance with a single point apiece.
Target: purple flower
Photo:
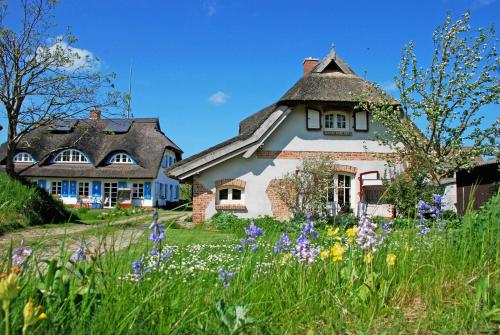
(367, 235)
(20, 254)
(283, 244)
(304, 251)
(253, 232)
(433, 212)
(79, 254)
(224, 276)
(158, 233)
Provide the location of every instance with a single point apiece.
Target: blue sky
(201, 66)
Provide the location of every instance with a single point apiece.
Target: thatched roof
(144, 141)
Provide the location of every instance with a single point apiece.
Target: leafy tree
(44, 77)
(446, 97)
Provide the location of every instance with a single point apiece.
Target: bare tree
(44, 77)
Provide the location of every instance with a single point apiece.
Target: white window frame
(137, 189)
(121, 158)
(230, 200)
(71, 156)
(335, 115)
(83, 189)
(57, 186)
(23, 157)
(334, 200)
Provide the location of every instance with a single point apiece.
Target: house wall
(284, 152)
(172, 185)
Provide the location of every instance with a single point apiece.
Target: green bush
(24, 204)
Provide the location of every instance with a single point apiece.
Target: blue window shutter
(42, 184)
(64, 191)
(147, 190)
(96, 188)
(72, 188)
(122, 184)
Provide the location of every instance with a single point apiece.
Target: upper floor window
(121, 158)
(23, 157)
(336, 121)
(71, 156)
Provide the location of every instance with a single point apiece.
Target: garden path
(103, 238)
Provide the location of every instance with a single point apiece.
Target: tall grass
(445, 283)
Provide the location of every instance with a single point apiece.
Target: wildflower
(337, 252)
(79, 254)
(391, 259)
(253, 232)
(407, 247)
(351, 233)
(324, 254)
(20, 254)
(283, 244)
(286, 258)
(330, 232)
(367, 237)
(224, 276)
(8, 287)
(368, 258)
(42, 316)
(30, 315)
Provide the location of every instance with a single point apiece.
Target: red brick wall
(231, 182)
(201, 199)
(279, 208)
(358, 156)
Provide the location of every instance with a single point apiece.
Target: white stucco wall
(293, 135)
(170, 183)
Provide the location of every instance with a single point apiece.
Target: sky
(202, 66)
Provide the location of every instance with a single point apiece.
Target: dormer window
(121, 158)
(71, 156)
(23, 157)
(336, 121)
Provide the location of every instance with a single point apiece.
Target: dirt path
(115, 236)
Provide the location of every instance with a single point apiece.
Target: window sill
(337, 133)
(231, 207)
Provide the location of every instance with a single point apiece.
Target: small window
(224, 194)
(23, 157)
(138, 191)
(336, 121)
(236, 194)
(71, 156)
(121, 158)
(230, 196)
(83, 189)
(56, 188)
(313, 119)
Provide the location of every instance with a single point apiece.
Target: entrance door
(110, 194)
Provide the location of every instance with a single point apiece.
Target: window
(138, 191)
(172, 192)
(338, 195)
(83, 189)
(121, 158)
(71, 156)
(23, 157)
(162, 191)
(229, 196)
(56, 188)
(336, 121)
(372, 195)
(344, 190)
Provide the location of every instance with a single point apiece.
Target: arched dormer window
(121, 158)
(71, 156)
(336, 120)
(23, 157)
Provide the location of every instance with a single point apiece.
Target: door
(110, 194)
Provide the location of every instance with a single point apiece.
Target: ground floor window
(229, 195)
(83, 189)
(138, 190)
(338, 195)
(56, 188)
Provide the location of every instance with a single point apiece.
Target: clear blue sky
(184, 52)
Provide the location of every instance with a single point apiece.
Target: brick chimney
(309, 64)
(95, 114)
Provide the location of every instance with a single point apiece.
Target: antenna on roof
(332, 49)
(129, 105)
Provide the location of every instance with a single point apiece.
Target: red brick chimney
(309, 64)
(95, 114)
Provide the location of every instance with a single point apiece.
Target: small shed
(481, 182)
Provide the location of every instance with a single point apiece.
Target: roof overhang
(245, 147)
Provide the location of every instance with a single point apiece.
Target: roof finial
(332, 49)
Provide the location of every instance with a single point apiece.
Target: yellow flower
(407, 247)
(391, 260)
(337, 252)
(286, 258)
(351, 233)
(324, 254)
(8, 287)
(28, 313)
(42, 316)
(330, 232)
(368, 258)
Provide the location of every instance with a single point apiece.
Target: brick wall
(358, 156)
(230, 182)
(201, 199)
(279, 208)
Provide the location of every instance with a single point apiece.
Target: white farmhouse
(314, 118)
(100, 163)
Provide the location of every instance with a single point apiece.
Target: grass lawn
(445, 282)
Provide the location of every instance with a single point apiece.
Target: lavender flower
(283, 244)
(20, 254)
(158, 233)
(426, 211)
(253, 232)
(367, 236)
(224, 276)
(304, 251)
(79, 254)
